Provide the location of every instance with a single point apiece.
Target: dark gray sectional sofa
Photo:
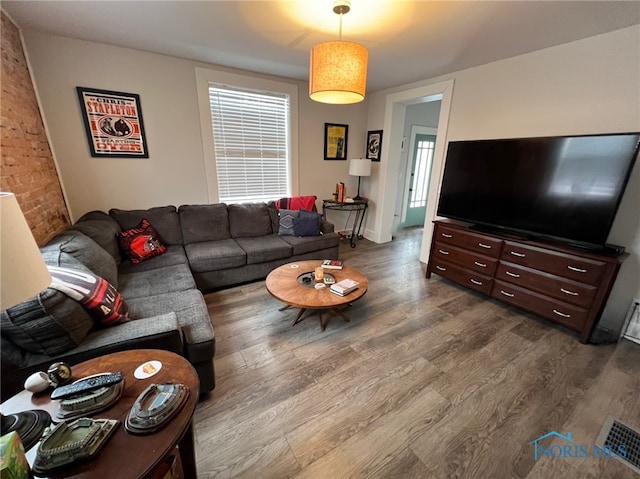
(208, 247)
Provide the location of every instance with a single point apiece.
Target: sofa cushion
(249, 220)
(274, 216)
(157, 281)
(141, 243)
(164, 219)
(215, 255)
(175, 255)
(264, 248)
(204, 222)
(310, 244)
(102, 229)
(285, 223)
(49, 323)
(193, 317)
(83, 249)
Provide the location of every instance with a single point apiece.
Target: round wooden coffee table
(283, 285)
(125, 454)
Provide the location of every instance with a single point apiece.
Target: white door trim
(395, 108)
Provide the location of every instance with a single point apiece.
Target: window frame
(206, 76)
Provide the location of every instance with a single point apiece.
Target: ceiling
(407, 40)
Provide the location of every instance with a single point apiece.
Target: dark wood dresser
(566, 285)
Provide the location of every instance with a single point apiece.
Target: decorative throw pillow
(306, 226)
(141, 243)
(313, 215)
(286, 222)
(99, 297)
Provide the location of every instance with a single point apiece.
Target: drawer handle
(440, 268)
(441, 251)
(510, 295)
(446, 235)
(486, 246)
(566, 291)
(482, 265)
(514, 275)
(515, 253)
(475, 281)
(577, 270)
(561, 314)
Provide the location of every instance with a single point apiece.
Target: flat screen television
(563, 188)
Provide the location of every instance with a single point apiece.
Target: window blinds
(251, 144)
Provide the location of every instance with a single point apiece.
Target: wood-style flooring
(428, 380)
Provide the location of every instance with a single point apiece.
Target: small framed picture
(374, 143)
(335, 141)
(113, 123)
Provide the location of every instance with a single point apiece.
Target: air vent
(615, 434)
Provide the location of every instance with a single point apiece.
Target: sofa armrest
(326, 226)
(143, 333)
(157, 332)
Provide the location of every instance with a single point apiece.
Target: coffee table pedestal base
(323, 325)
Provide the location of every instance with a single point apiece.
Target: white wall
(175, 171)
(588, 86)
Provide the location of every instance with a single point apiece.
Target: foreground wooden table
(283, 285)
(126, 455)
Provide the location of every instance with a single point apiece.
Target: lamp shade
(360, 167)
(338, 72)
(23, 273)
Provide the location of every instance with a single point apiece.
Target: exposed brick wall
(27, 168)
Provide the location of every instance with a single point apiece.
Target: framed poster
(335, 141)
(374, 143)
(113, 123)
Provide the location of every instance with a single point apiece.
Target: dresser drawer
(467, 278)
(474, 261)
(581, 269)
(479, 243)
(560, 288)
(560, 312)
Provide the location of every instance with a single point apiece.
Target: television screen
(567, 188)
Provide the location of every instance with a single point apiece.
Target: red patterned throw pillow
(99, 297)
(141, 243)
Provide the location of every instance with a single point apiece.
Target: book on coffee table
(332, 264)
(344, 287)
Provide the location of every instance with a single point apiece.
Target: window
(424, 156)
(251, 143)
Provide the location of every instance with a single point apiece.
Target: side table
(125, 454)
(359, 206)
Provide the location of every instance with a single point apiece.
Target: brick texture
(27, 168)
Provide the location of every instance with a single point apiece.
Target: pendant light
(338, 70)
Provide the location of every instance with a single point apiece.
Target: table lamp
(23, 274)
(359, 167)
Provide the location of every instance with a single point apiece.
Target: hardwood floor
(427, 380)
